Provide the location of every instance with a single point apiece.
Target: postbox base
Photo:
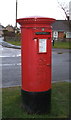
(37, 102)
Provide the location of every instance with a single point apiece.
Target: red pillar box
(36, 34)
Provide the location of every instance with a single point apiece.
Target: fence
(15, 38)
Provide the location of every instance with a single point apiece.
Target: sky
(45, 8)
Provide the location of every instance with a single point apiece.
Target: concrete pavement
(6, 44)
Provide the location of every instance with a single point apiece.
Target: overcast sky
(45, 8)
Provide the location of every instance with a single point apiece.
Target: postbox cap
(35, 19)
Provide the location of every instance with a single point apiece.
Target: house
(1, 30)
(61, 29)
(9, 28)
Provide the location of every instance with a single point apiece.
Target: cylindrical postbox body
(36, 34)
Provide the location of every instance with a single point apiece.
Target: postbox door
(44, 62)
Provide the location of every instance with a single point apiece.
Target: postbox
(36, 48)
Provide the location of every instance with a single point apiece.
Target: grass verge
(58, 44)
(12, 103)
(65, 45)
(18, 43)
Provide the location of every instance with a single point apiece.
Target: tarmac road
(11, 66)
(60, 66)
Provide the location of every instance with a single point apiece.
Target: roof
(61, 25)
(9, 26)
(1, 27)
